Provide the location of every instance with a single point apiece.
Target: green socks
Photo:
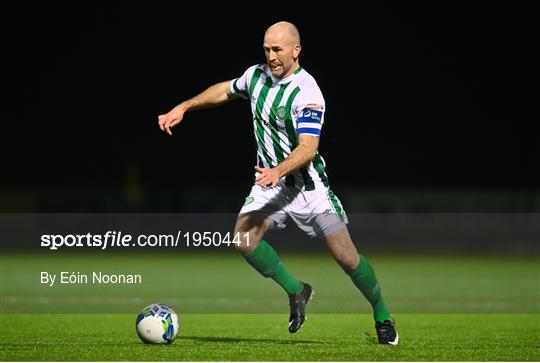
(364, 278)
(265, 260)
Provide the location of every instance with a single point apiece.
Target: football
(157, 324)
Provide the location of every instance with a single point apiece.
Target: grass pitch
(448, 308)
(264, 337)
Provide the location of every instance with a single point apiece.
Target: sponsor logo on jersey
(279, 123)
(312, 115)
(249, 200)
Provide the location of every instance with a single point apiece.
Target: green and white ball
(157, 324)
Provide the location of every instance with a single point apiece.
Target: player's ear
(296, 51)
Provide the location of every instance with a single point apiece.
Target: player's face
(281, 54)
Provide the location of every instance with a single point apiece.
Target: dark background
(429, 108)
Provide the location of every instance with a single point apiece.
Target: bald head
(282, 48)
(284, 30)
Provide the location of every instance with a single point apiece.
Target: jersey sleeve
(240, 86)
(309, 111)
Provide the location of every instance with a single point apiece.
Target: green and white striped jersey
(283, 109)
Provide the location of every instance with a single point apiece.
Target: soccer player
(290, 179)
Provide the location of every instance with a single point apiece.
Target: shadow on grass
(229, 339)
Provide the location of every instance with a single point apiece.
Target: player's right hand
(170, 119)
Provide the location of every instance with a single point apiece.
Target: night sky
(441, 96)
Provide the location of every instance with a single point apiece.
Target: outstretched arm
(299, 157)
(213, 96)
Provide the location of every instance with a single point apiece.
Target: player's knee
(347, 261)
(242, 248)
(247, 243)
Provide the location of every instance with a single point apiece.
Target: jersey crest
(281, 112)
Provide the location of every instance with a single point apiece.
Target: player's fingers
(260, 170)
(161, 121)
(168, 128)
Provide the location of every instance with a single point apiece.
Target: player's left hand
(268, 177)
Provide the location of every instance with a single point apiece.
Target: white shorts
(315, 212)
